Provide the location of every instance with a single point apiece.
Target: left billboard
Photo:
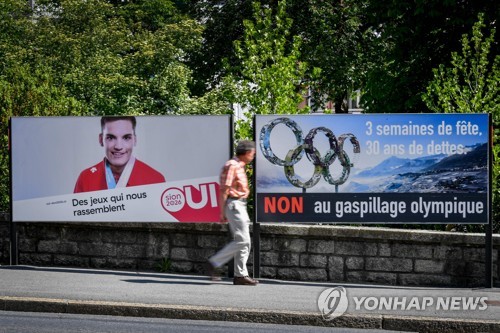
(118, 169)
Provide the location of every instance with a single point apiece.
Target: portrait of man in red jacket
(119, 168)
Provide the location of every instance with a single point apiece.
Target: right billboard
(379, 168)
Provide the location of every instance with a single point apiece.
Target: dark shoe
(245, 280)
(211, 272)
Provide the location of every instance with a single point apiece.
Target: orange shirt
(234, 179)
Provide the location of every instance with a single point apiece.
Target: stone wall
(375, 255)
(292, 252)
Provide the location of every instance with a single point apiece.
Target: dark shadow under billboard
(118, 169)
(381, 168)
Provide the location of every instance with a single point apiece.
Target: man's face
(248, 156)
(118, 140)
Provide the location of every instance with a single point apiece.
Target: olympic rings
(332, 151)
(290, 171)
(265, 144)
(346, 170)
(321, 164)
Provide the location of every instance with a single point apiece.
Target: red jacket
(94, 178)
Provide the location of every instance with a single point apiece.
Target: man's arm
(222, 202)
(226, 180)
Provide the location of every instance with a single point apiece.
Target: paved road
(273, 301)
(28, 322)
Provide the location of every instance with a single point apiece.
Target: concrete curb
(386, 322)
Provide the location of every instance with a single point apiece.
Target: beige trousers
(239, 247)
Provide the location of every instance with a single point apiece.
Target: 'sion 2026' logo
(192, 203)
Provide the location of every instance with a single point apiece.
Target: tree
(94, 57)
(335, 45)
(126, 57)
(269, 79)
(26, 91)
(223, 25)
(471, 85)
(213, 102)
(411, 37)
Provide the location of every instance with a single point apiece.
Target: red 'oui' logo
(192, 203)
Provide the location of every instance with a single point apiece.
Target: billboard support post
(488, 260)
(256, 250)
(13, 244)
(230, 264)
(488, 271)
(12, 226)
(256, 225)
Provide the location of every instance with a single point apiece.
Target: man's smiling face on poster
(118, 139)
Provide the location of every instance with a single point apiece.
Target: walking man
(233, 196)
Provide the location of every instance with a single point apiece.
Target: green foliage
(94, 57)
(471, 85)
(335, 46)
(223, 24)
(496, 181)
(121, 58)
(26, 91)
(164, 265)
(385, 47)
(114, 60)
(412, 37)
(269, 79)
(212, 102)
